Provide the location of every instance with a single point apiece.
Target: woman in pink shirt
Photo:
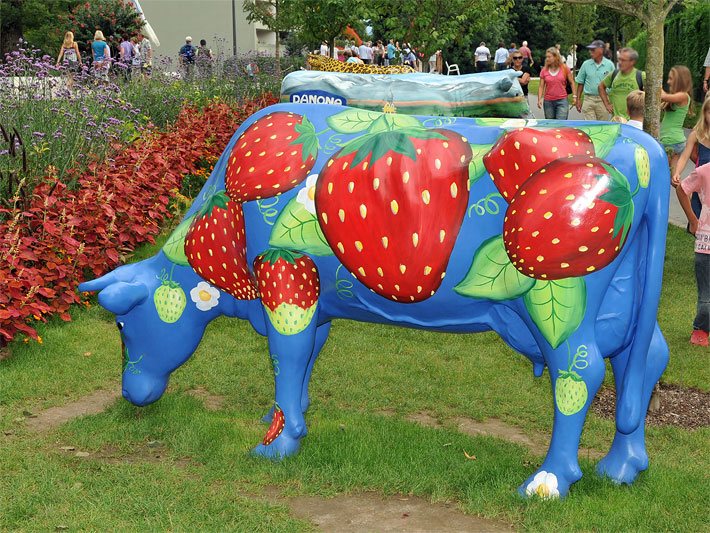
(699, 181)
(552, 93)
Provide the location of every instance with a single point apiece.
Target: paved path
(675, 214)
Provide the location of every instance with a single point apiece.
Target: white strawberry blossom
(205, 296)
(306, 196)
(544, 485)
(518, 123)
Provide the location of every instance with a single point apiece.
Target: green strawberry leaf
(557, 307)
(403, 121)
(490, 121)
(298, 229)
(619, 195)
(274, 254)
(174, 247)
(603, 137)
(378, 144)
(218, 199)
(353, 120)
(308, 138)
(475, 167)
(492, 275)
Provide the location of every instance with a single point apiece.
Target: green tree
(652, 14)
(277, 15)
(36, 21)
(324, 20)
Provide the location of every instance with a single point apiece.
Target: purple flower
(38, 134)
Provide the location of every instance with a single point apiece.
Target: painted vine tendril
(486, 205)
(343, 286)
(267, 208)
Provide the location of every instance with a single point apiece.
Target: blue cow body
(619, 320)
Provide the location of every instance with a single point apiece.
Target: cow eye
(119, 325)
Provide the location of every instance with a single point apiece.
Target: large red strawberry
(570, 220)
(216, 248)
(520, 153)
(391, 206)
(289, 288)
(272, 156)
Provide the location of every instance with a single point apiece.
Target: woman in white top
(69, 52)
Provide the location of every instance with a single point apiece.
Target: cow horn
(120, 297)
(98, 283)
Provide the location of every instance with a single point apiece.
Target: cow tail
(630, 410)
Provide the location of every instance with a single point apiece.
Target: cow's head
(161, 311)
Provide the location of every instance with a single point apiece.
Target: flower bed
(62, 235)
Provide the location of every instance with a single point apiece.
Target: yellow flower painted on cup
(205, 296)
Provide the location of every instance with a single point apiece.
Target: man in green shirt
(621, 82)
(590, 75)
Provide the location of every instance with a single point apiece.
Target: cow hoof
(622, 468)
(548, 485)
(282, 447)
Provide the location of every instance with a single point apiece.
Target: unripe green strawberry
(643, 166)
(570, 392)
(170, 301)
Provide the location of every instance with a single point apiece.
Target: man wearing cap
(590, 75)
(187, 57)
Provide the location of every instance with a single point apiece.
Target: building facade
(216, 21)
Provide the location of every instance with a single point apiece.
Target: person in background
(699, 138)
(391, 48)
(482, 56)
(552, 93)
(187, 55)
(676, 105)
(365, 53)
(146, 51)
(513, 48)
(517, 65)
(607, 51)
(379, 53)
(102, 56)
(436, 63)
(204, 59)
(137, 60)
(527, 54)
(352, 57)
(590, 75)
(635, 104)
(698, 182)
(324, 48)
(125, 58)
(571, 60)
(501, 57)
(621, 82)
(69, 52)
(409, 59)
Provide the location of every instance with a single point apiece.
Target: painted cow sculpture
(550, 233)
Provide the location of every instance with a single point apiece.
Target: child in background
(676, 104)
(699, 182)
(700, 137)
(634, 105)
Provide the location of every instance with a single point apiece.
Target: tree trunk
(278, 55)
(654, 71)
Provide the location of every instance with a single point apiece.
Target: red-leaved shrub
(48, 247)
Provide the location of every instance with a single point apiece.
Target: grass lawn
(368, 379)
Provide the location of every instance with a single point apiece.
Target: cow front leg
(289, 288)
(321, 337)
(576, 372)
(627, 456)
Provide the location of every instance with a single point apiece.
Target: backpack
(188, 51)
(639, 78)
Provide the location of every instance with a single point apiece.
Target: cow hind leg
(576, 372)
(627, 456)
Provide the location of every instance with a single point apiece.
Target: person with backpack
(69, 52)
(614, 89)
(187, 57)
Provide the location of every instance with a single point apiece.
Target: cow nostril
(119, 325)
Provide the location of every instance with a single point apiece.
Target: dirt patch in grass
(682, 407)
(51, 418)
(536, 443)
(212, 402)
(148, 452)
(370, 511)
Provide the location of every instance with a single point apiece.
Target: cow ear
(98, 283)
(121, 297)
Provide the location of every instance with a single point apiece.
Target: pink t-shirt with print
(699, 181)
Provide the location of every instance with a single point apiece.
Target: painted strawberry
(170, 301)
(569, 219)
(520, 153)
(570, 392)
(215, 246)
(276, 427)
(391, 205)
(289, 288)
(272, 156)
